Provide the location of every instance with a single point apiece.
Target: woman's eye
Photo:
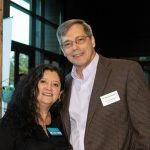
(42, 81)
(55, 84)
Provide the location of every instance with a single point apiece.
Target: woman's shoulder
(7, 136)
(4, 126)
(5, 130)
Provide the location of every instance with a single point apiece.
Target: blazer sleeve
(7, 140)
(138, 98)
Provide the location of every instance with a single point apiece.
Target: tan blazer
(122, 125)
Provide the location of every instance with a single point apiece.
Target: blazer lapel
(98, 87)
(65, 108)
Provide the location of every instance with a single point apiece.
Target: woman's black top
(10, 139)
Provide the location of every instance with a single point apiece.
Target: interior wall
(1, 33)
(121, 28)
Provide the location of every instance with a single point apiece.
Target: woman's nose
(49, 86)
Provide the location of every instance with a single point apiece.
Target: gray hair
(65, 26)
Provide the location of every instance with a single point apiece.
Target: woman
(32, 120)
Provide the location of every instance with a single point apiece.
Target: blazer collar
(102, 73)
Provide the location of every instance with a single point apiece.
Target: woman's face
(49, 88)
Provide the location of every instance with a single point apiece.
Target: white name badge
(110, 98)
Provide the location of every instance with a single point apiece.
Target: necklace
(43, 121)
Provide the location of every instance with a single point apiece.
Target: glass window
(23, 63)
(12, 67)
(23, 3)
(20, 26)
(51, 43)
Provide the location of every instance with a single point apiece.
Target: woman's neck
(44, 119)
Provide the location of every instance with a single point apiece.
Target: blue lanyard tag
(54, 131)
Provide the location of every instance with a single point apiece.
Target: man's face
(78, 47)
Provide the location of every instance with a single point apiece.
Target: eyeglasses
(78, 40)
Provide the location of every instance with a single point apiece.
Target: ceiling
(120, 28)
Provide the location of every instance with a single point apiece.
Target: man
(107, 102)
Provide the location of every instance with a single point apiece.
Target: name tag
(54, 131)
(110, 98)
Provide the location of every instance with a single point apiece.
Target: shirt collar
(88, 70)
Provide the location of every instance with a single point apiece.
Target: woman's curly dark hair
(22, 109)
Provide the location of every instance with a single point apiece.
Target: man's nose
(74, 45)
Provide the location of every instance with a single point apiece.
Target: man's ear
(63, 52)
(93, 41)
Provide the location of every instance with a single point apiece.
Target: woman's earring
(60, 96)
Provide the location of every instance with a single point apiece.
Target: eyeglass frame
(76, 41)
